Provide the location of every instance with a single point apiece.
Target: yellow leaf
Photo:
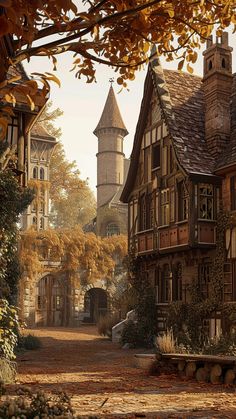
(180, 65)
(31, 102)
(120, 80)
(189, 69)
(54, 78)
(10, 98)
(146, 47)
(171, 12)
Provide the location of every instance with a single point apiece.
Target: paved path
(103, 382)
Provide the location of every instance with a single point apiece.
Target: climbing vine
(72, 251)
(13, 200)
(187, 319)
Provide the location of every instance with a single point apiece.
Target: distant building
(112, 168)
(39, 153)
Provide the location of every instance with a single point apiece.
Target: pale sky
(83, 104)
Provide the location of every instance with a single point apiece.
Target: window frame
(208, 197)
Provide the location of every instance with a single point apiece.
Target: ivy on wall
(73, 252)
(187, 319)
(13, 201)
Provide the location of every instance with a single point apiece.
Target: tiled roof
(187, 129)
(181, 97)
(17, 71)
(111, 117)
(181, 100)
(39, 131)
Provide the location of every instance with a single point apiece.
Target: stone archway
(50, 302)
(95, 303)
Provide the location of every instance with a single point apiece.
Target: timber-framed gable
(182, 177)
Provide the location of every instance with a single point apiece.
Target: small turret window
(41, 223)
(41, 173)
(223, 63)
(35, 173)
(210, 65)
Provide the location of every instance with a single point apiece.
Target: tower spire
(111, 116)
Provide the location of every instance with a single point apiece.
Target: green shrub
(9, 326)
(106, 323)
(7, 371)
(136, 335)
(129, 334)
(28, 406)
(222, 345)
(29, 342)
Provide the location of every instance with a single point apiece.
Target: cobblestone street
(103, 382)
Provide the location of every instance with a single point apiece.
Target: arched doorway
(95, 303)
(50, 302)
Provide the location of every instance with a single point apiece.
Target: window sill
(163, 227)
(144, 231)
(181, 222)
(206, 221)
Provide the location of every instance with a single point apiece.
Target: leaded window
(183, 198)
(165, 207)
(12, 131)
(206, 201)
(204, 278)
(143, 213)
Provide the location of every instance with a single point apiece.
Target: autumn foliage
(70, 251)
(113, 32)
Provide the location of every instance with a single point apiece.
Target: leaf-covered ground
(103, 382)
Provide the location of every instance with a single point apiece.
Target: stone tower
(110, 132)
(217, 85)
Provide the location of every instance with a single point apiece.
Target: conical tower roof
(111, 117)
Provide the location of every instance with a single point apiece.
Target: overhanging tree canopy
(113, 32)
(118, 33)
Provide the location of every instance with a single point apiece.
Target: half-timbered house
(182, 174)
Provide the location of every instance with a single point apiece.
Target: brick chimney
(217, 84)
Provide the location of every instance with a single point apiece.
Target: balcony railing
(167, 237)
(177, 235)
